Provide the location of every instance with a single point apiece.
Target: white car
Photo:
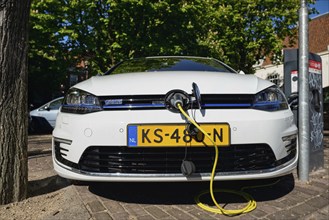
(44, 117)
(128, 125)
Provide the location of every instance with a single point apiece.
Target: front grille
(138, 102)
(235, 158)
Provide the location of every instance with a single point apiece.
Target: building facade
(318, 44)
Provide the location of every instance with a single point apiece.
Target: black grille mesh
(235, 158)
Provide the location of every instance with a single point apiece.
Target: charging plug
(175, 98)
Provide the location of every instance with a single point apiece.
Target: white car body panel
(209, 82)
(112, 130)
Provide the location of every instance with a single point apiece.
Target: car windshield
(155, 64)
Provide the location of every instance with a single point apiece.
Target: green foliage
(242, 32)
(47, 61)
(104, 32)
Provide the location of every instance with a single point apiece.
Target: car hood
(163, 82)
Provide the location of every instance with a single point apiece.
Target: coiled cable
(219, 210)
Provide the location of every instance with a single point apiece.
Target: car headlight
(80, 102)
(270, 99)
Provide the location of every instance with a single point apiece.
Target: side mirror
(241, 72)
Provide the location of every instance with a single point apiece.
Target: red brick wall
(318, 38)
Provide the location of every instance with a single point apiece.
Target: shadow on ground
(184, 193)
(46, 185)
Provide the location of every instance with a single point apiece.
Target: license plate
(176, 135)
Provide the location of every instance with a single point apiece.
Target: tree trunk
(14, 16)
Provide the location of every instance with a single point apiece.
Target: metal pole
(303, 90)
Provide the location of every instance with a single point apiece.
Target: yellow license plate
(176, 135)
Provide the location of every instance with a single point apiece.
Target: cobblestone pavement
(288, 199)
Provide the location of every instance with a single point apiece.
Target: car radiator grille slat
(110, 159)
(147, 102)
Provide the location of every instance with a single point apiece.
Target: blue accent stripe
(267, 103)
(134, 106)
(132, 135)
(140, 106)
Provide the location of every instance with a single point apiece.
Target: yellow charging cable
(251, 202)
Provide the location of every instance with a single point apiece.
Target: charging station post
(303, 91)
(314, 158)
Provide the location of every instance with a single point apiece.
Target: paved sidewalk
(288, 199)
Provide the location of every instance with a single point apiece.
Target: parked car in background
(43, 119)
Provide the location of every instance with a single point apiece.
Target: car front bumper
(75, 134)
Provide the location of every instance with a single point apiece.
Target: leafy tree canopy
(104, 32)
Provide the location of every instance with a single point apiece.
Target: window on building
(275, 78)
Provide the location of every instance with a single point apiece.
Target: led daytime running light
(80, 102)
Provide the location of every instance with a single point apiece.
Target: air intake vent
(236, 158)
